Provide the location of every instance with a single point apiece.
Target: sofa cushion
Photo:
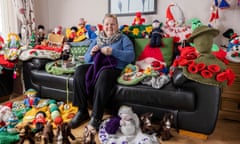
(168, 97)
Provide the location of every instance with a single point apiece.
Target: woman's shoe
(95, 123)
(79, 119)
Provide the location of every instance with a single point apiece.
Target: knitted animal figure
(26, 133)
(48, 135)
(89, 136)
(138, 20)
(146, 124)
(165, 126)
(63, 132)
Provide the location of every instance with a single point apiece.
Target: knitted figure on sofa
(207, 68)
(156, 34)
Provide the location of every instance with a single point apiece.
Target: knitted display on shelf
(233, 48)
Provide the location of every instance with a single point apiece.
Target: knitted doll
(156, 35)
(30, 98)
(73, 33)
(40, 34)
(39, 121)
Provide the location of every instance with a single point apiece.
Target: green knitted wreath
(57, 68)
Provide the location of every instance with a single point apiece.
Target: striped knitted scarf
(102, 40)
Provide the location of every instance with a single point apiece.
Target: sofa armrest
(207, 104)
(37, 63)
(178, 78)
(206, 110)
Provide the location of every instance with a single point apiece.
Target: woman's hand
(106, 50)
(94, 50)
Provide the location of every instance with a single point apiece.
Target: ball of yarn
(112, 125)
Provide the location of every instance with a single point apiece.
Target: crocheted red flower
(183, 62)
(230, 76)
(191, 62)
(193, 69)
(201, 66)
(206, 74)
(221, 76)
(213, 68)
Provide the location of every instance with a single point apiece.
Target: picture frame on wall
(130, 7)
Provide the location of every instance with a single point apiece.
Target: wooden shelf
(230, 100)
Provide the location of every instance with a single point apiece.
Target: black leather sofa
(194, 105)
(6, 82)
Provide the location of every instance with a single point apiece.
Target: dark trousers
(101, 94)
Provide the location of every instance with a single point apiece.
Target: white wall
(66, 13)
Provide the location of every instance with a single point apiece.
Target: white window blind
(8, 18)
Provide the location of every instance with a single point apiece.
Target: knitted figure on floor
(48, 135)
(165, 126)
(146, 123)
(129, 130)
(39, 121)
(63, 132)
(12, 122)
(31, 98)
(26, 133)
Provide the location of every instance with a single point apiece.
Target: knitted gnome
(207, 68)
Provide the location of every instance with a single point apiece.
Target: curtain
(25, 13)
(8, 18)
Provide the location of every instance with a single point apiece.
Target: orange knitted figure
(138, 20)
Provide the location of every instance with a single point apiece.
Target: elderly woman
(107, 55)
